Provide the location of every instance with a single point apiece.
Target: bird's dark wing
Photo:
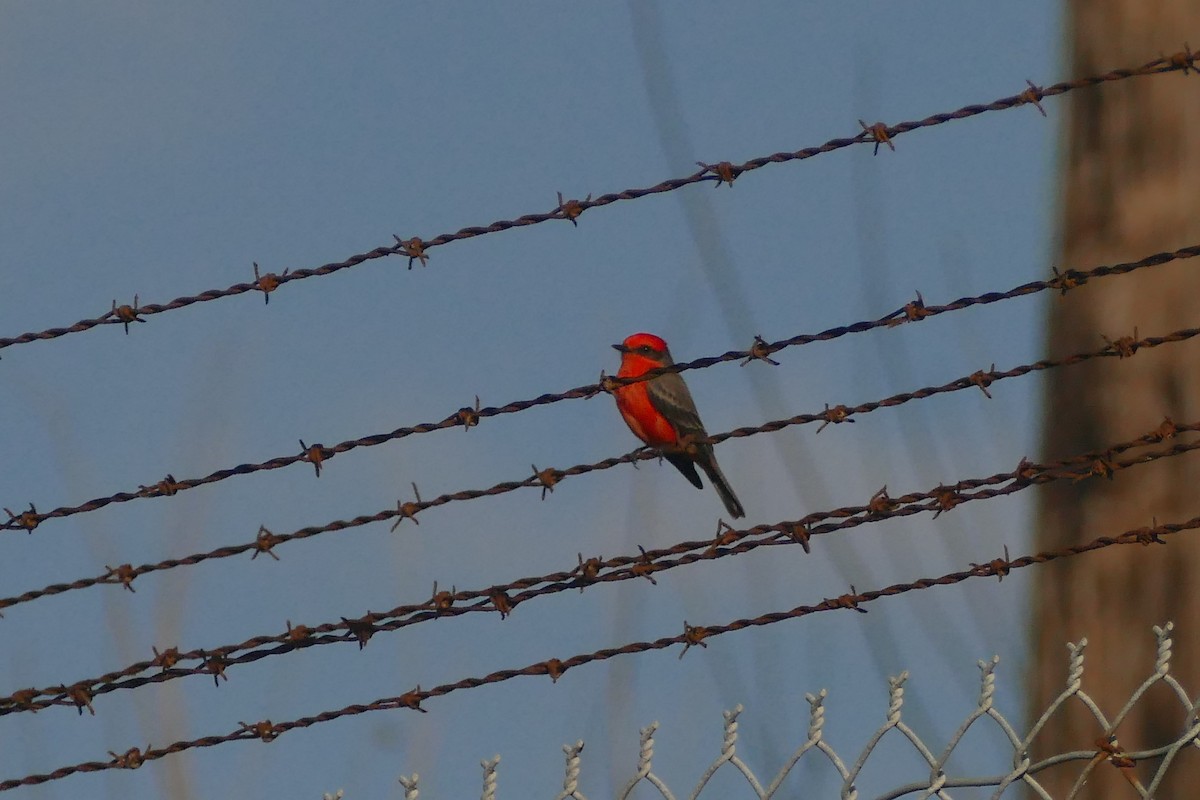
(670, 397)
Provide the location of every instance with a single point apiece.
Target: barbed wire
(547, 479)
(503, 598)
(692, 635)
(469, 417)
(727, 542)
(416, 248)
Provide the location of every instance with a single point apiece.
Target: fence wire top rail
(692, 635)
(1105, 751)
(416, 248)
(468, 417)
(503, 598)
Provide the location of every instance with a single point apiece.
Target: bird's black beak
(620, 348)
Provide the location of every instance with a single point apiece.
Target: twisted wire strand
(503, 598)
(692, 635)
(417, 248)
(469, 417)
(547, 479)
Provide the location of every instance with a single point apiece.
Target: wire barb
(723, 172)
(316, 455)
(946, 498)
(1033, 95)
(130, 759)
(501, 601)
(264, 730)
(26, 520)
(877, 133)
(984, 379)
(467, 416)
(412, 700)
(299, 633)
(361, 629)
(726, 535)
(552, 667)
(1065, 281)
(408, 510)
(546, 478)
(124, 575)
(571, 209)
(692, 635)
(126, 313)
(215, 663)
(644, 567)
(760, 351)
(882, 503)
(268, 283)
(166, 659)
(850, 601)
(587, 571)
(1124, 346)
(800, 534)
(81, 696)
(997, 566)
(414, 248)
(834, 416)
(264, 541)
(443, 600)
(1184, 60)
(607, 383)
(167, 487)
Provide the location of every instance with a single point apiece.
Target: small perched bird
(662, 414)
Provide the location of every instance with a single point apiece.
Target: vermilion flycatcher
(662, 414)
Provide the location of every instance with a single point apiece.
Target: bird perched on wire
(661, 413)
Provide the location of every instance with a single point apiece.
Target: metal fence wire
(1143, 768)
(1143, 765)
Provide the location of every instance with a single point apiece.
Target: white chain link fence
(1144, 771)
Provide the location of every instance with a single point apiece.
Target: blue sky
(161, 148)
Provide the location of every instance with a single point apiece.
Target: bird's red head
(642, 352)
(639, 340)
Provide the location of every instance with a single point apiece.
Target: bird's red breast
(640, 414)
(633, 401)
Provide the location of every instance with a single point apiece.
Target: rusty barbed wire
(692, 636)
(469, 416)
(265, 541)
(416, 248)
(503, 598)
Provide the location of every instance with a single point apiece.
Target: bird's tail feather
(717, 478)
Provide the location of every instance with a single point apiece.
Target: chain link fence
(1143, 769)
